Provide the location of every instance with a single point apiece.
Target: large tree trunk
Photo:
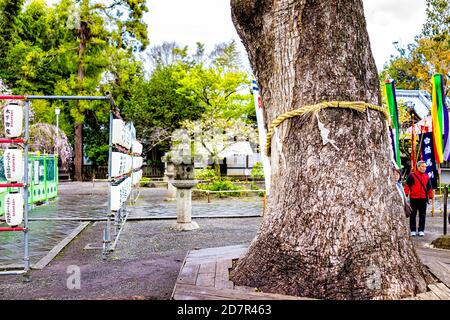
(78, 159)
(334, 228)
(83, 35)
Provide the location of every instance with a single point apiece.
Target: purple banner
(428, 156)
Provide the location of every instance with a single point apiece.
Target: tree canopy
(41, 54)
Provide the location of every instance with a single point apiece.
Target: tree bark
(334, 227)
(83, 34)
(78, 158)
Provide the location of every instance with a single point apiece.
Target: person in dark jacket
(418, 187)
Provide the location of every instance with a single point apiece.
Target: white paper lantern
(129, 165)
(136, 148)
(115, 198)
(136, 177)
(119, 194)
(120, 164)
(126, 137)
(126, 189)
(137, 162)
(13, 165)
(13, 120)
(117, 129)
(14, 209)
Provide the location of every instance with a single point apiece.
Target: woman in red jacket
(418, 187)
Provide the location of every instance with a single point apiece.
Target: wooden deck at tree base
(204, 275)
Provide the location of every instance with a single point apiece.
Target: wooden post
(445, 209)
(265, 203)
(432, 207)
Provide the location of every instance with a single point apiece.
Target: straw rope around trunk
(360, 106)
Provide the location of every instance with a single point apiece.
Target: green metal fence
(43, 175)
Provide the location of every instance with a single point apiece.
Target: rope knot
(360, 106)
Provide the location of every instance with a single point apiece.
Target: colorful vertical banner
(262, 135)
(439, 116)
(426, 148)
(393, 112)
(437, 119)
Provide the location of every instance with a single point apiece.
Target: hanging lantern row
(13, 165)
(136, 177)
(121, 164)
(119, 193)
(13, 119)
(121, 134)
(136, 147)
(137, 162)
(14, 209)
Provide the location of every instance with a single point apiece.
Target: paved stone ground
(145, 264)
(149, 254)
(152, 203)
(76, 200)
(434, 225)
(88, 200)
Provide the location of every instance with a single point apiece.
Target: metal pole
(120, 230)
(26, 257)
(131, 176)
(67, 97)
(7, 273)
(445, 209)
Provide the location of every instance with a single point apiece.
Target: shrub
(145, 182)
(253, 186)
(220, 185)
(207, 174)
(257, 171)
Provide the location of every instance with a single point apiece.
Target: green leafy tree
(67, 50)
(257, 171)
(219, 83)
(9, 11)
(156, 107)
(438, 19)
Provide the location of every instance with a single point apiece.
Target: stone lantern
(184, 182)
(169, 174)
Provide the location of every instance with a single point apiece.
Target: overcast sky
(209, 22)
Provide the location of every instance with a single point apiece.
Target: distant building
(238, 162)
(420, 100)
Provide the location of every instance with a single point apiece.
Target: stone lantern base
(185, 226)
(184, 205)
